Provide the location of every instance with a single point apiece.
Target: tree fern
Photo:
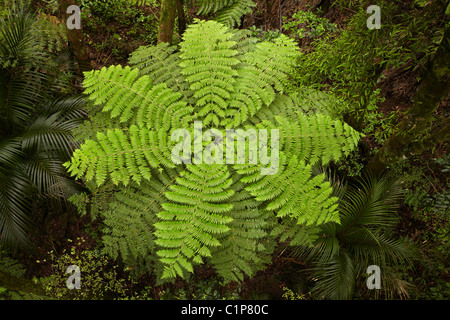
(223, 214)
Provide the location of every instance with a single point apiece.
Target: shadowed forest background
(85, 171)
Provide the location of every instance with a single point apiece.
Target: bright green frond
(191, 222)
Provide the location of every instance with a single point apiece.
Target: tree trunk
(167, 20)
(76, 40)
(181, 17)
(434, 87)
(439, 134)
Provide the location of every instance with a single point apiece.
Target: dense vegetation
(88, 177)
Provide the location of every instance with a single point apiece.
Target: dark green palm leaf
(15, 223)
(336, 278)
(35, 125)
(342, 252)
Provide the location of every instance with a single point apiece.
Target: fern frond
(121, 157)
(261, 77)
(241, 247)
(207, 60)
(311, 101)
(194, 217)
(207, 6)
(317, 138)
(295, 234)
(10, 265)
(129, 225)
(161, 64)
(121, 92)
(53, 31)
(228, 12)
(293, 192)
(231, 15)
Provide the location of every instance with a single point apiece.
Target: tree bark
(181, 17)
(434, 87)
(76, 40)
(167, 20)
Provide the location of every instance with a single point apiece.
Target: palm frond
(15, 223)
(342, 252)
(336, 278)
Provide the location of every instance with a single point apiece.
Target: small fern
(10, 265)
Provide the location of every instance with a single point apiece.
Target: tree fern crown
(196, 212)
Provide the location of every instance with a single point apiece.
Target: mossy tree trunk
(167, 20)
(433, 89)
(76, 39)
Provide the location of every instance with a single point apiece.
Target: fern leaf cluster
(189, 213)
(130, 234)
(190, 222)
(246, 246)
(317, 138)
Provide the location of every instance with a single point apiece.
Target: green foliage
(268, 35)
(130, 234)
(291, 295)
(114, 9)
(432, 212)
(429, 206)
(351, 61)
(342, 252)
(6, 294)
(307, 24)
(10, 265)
(114, 18)
(35, 124)
(187, 214)
(227, 12)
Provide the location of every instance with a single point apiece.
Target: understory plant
(365, 236)
(99, 277)
(36, 123)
